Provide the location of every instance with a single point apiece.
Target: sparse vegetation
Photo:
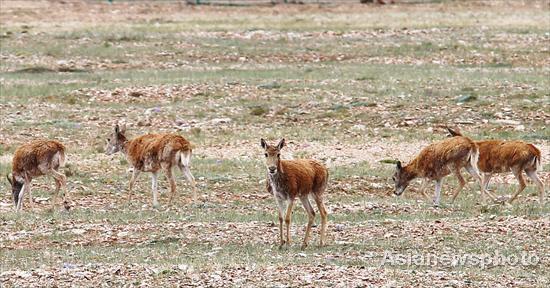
(356, 87)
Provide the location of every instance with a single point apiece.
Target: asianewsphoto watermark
(454, 260)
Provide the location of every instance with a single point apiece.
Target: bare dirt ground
(351, 85)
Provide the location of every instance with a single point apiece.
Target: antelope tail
(536, 162)
(61, 159)
(184, 158)
(474, 158)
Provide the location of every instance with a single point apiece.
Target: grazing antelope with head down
(34, 159)
(288, 179)
(151, 153)
(497, 156)
(438, 160)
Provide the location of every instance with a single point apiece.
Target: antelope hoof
(156, 205)
(303, 247)
(282, 245)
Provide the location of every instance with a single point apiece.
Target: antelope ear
(117, 129)
(263, 143)
(281, 144)
(123, 128)
(399, 167)
(9, 176)
(454, 132)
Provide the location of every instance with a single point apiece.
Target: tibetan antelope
(151, 153)
(438, 160)
(288, 179)
(498, 156)
(34, 159)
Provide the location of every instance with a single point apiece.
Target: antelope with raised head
(498, 156)
(152, 153)
(34, 159)
(291, 179)
(438, 160)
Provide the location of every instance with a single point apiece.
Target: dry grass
(349, 85)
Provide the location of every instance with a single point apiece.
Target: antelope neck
(410, 172)
(125, 145)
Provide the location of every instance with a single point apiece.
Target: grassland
(349, 85)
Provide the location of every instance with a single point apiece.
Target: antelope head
(16, 186)
(401, 179)
(272, 156)
(115, 142)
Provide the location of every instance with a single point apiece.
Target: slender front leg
(135, 174)
(154, 186)
(288, 217)
(437, 196)
(24, 189)
(475, 174)
(485, 183)
(27, 191)
(423, 187)
(31, 204)
(20, 198)
(281, 207)
(19, 204)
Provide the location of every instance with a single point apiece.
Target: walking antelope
(288, 179)
(151, 153)
(498, 156)
(438, 160)
(34, 159)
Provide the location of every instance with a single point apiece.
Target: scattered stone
(220, 120)
(359, 127)
(78, 231)
(520, 128)
(507, 122)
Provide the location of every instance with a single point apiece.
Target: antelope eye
(266, 155)
(108, 139)
(393, 178)
(279, 155)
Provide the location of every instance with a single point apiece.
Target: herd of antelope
(287, 180)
